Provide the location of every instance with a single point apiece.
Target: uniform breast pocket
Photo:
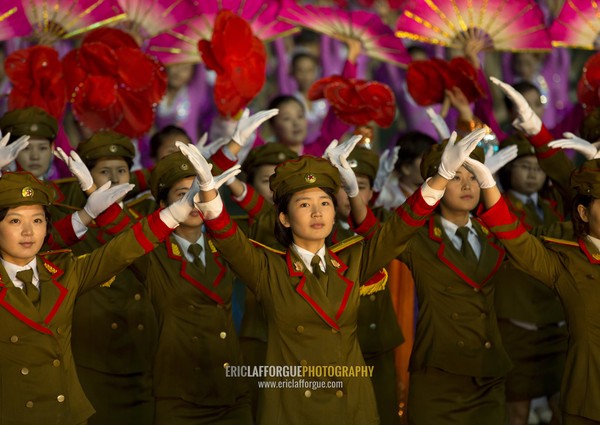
(587, 282)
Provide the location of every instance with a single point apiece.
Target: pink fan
(377, 39)
(577, 25)
(180, 44)
(147, 18)
(511, 25)
(13, 21)
(56, 19)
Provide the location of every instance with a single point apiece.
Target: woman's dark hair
(4, 211)
(412, 145)
(284, 234)
(280, 100)
(161, 135)
(580, 227)
(504, 175)
(303, 55)
(91, 163)
(522, 87)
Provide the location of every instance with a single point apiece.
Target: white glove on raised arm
(104, 197)
(247, 125)
(455, 153)
(482, 174)
(494, 161)
(201, 165)
(527, 121)
(338, 156)
(571, 141)
(209, 150)
(8, 153)
(439, 123)
(227, 176)
(77, 168)
(387, 161)
(180, 210)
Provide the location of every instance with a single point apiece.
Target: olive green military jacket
(520, 296)
(572, 269)
(308, 327)
(38, 380)
(457, 329)
(197, 337)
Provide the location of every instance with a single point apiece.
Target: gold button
(137, 297)
(303, 362)
(300, 328)
(372, 297)
(60, 398)
(334, 330)
(140, 327)
(307, 393)
(223, 335)
(225, 365)
(14, 339)
(24, 371)
(461, 344)
(476, 289)
(339, 393)
(373, 325)
(114, 325)
(56, 363)
(59, 331)
(220, 306)
(191, 308)
(483, 316)
(488, 345)
(29, 404)
(455, 316)
(194, 339)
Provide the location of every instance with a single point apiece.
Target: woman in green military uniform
(38, 380)
(571, 269)
(310, 292)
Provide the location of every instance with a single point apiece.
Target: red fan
(588, 87)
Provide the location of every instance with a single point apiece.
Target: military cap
(168, 171)
(268, 154)
(33, 121)
(585, 180)
(433, 157)
(106, 144)
(302, 173)
(22, 188)
(364, 161)
(524, 147)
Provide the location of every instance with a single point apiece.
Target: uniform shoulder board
(559, 241)
(240, 217)
(346, 243)
(139, 199)
(276, 251)
(64, 180)
(54, 251)
(66, 206)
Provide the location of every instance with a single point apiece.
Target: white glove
(9, 153)
(180, 210)
(77, 168)
(494, 161)
(587, 149)
(209, 150)
(104, 197)
(247, 125)
(482, 174)
(338, 156)
(331, 145)
(202, 167)
(455, 152)
(227, 176)
(527, 121)
(439, 123)
(387, 161)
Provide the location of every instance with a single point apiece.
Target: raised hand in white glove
(227, 176)
(8, 153)
(201, 165)
(527, 121)
(494, 161)
(482, 174)
(180, 210)
(77, 168)
(455, 153)
(104, 197)
(387, 161)
(331, 145)
(338, 156)
(587, 149)
(439, 123)
(247, 125)
(209, 150)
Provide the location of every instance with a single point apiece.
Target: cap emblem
(27, 192)
(113, 148)
(184, 167)
(310, 178)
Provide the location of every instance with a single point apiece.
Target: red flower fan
(112, 84)
(37, 79)
(239, 59)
